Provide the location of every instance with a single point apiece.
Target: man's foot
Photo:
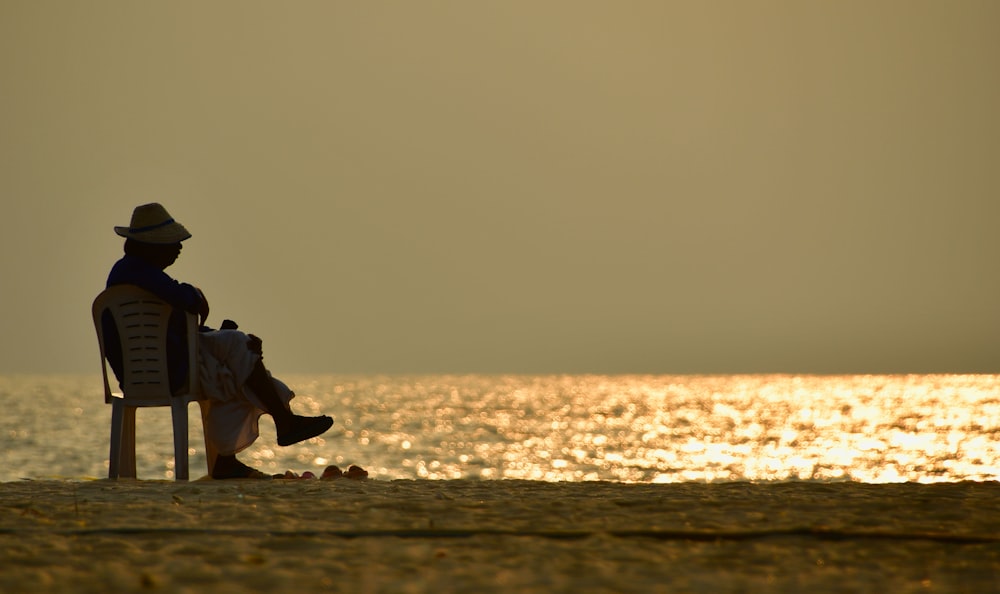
(228, 467)
(303, 428)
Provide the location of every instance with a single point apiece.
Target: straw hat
(151, 223)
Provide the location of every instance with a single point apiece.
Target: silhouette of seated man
(234, 382)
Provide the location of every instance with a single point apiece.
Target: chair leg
(128, 444)
(179, 411)
(121, 459)
(114, 457)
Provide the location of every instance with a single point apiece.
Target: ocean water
(644, 429)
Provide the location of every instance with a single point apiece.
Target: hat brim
(172, 233)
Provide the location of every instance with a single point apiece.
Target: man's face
(168, 254)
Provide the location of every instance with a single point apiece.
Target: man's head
(153, 235)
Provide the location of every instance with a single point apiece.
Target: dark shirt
(132, 270)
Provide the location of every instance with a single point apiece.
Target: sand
(497, 536)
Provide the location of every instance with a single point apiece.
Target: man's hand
(202, 307)
(255, 345)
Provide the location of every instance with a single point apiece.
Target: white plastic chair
(141, 319)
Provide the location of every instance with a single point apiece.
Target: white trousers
(225, 363)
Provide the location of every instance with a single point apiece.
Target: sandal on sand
(236, 470)
(334, 472)
(356, 472)
(305, 428)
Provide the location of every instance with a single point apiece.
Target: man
(237, 386)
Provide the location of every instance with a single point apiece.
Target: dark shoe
(304, 428)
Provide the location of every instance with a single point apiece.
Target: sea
(623, 428)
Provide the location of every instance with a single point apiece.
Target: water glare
(671, 428)
(662, 429)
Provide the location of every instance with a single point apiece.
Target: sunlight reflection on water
(669, 428)
(921, 428)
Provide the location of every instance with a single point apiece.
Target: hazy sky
(731, 186)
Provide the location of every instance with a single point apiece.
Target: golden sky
(517, 186)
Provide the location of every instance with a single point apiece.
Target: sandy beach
(501, 536)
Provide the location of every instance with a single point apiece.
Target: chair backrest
(141, 320)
